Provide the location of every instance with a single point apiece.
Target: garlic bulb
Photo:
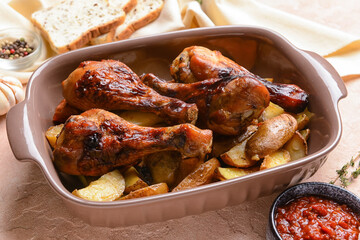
(11, 93)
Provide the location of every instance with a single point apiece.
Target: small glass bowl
(31, 37)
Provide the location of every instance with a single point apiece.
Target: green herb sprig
(345, 174)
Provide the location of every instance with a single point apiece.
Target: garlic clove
(4, 104)
(16, 86)
(11, 93)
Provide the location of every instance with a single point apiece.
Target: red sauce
(316, 218)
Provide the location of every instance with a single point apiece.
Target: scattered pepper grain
(16, 49)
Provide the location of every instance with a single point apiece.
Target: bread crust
(129, 6)
(139, 23)
(85, 37)
(117, 34)
(109, 36)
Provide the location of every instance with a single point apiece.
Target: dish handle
(19, 133)
(337, 88)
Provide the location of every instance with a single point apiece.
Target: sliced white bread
(145, 12)
(142, 14)
(71, 24)
(126, 5)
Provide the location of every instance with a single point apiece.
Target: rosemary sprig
(343, 173)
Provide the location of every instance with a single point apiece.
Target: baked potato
(276, 158)
(229, 173)
(305, 133)
(236, 156)
(187, 166)
(303, 118)
(271, 136)
(296, 146)
(155, 189)
(163, 167)
(200, 176)
(52, 133)
(108, 187)
(222, 144)
(271, 111)
(133, 181)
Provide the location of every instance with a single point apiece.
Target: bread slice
(126, 5)
(144, 13)
(71, 24)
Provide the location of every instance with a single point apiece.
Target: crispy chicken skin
(97, 141)
(226, 105)
(111, 85)
(197, 63)
(63, 111)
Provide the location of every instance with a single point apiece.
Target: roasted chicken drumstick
(226, 105)
(111, 85)
(97, 141)
(199, 63)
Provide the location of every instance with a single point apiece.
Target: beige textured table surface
(29, 209)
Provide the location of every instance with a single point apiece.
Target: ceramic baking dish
(260, 50)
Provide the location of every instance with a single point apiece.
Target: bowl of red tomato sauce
(314, 210)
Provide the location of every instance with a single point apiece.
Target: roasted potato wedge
(276, 158)
(52, 133)
(163, 166)
(305, 133)
(155, 189)
(229, 173)
(236, 156)
(271, 136)
(187, 166)
(86, 180)
(202, 175)
(132, 180)
(271, 111)
(145, 119)
(297, 146)
(250, 130)
(222, 144)
(303, 118)
(108, 187)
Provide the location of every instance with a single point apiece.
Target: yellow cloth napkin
(342, 50)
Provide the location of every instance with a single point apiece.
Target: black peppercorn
(16, 49)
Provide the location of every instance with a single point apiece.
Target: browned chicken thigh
(63, 111)
(226, 105)
(97, 141)
(111, 85)
(197, 63)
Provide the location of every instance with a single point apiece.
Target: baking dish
(262, 51)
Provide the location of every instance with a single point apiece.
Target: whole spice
(11, 93)
(16, 49)
(343, 173)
